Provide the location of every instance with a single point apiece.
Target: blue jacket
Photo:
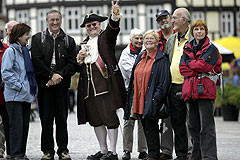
(157, 87)
(16, 85)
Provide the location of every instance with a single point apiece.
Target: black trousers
(53, 105)
(151, 130)
(178, 115)
(19, 117)
(202, 129)
(4, 115)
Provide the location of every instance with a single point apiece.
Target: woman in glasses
(147, 90)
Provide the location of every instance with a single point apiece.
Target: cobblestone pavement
(82, 141)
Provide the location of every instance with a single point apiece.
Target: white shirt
(92, 50)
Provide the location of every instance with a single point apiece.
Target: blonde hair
(152, 32)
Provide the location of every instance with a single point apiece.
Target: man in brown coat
(101, 89)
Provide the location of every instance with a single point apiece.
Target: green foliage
(230, 96)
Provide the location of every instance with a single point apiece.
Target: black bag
(163, 112)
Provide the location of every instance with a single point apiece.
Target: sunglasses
(89, 25)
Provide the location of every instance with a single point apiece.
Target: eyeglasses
(149, 39)
(89, 25)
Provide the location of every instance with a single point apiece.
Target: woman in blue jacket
(147, 90)
(19, 88)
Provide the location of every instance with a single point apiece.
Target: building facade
(221, 16)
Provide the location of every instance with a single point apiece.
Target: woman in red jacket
(4, 126)
(200, 64)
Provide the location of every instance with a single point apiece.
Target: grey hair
(135, 32)
(186, 14)
(7, 24)
(53, 11)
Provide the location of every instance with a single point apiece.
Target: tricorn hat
(92, 17)
(161, 13)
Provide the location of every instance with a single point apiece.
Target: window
(197, 15)
(226, 25)
(95, 9)
(1, 6)
(238, 23)
(151, 12)
(22, 16)
(42, 24)
(129, 20)
(73, 19)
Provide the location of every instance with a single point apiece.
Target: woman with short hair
(200, 63)
(20, 88)
(147, 90)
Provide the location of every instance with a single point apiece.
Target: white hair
(6, 25)
(135, 32)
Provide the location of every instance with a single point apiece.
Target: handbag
(163, 111)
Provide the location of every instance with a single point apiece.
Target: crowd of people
(172, 67)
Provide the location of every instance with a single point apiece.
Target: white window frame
(22, 16)
(73, 19)
(226, 24)
(151, 12)
(198, 15)
(129, 20)
(42, 24)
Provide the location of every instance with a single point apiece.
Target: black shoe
(47, 156)
(143, 155)
(165, 156)
(126, 155)
(96, 156)
(152, 158)
(109, 156)
(64, 156)
(181, 158)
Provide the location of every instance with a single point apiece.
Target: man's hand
(56, 79)
(115, 9)
(81, 55)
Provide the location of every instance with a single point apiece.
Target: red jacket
(2, 50)
(195, 68)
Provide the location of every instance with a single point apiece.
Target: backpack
(43, 37)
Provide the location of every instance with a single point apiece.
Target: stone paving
(82, 141)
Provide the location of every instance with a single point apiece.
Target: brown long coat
(106, 47)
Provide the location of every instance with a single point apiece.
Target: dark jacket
(157, 89)
(42, 53)
(106, 47)
(195, 67)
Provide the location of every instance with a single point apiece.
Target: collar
(52, 34)
(152, 55)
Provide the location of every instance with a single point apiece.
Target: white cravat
(93, 50)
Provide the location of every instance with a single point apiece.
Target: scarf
(134, 51)
(198, 46)
(29, 71)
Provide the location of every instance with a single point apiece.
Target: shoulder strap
(43, 36)
(66, 40)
